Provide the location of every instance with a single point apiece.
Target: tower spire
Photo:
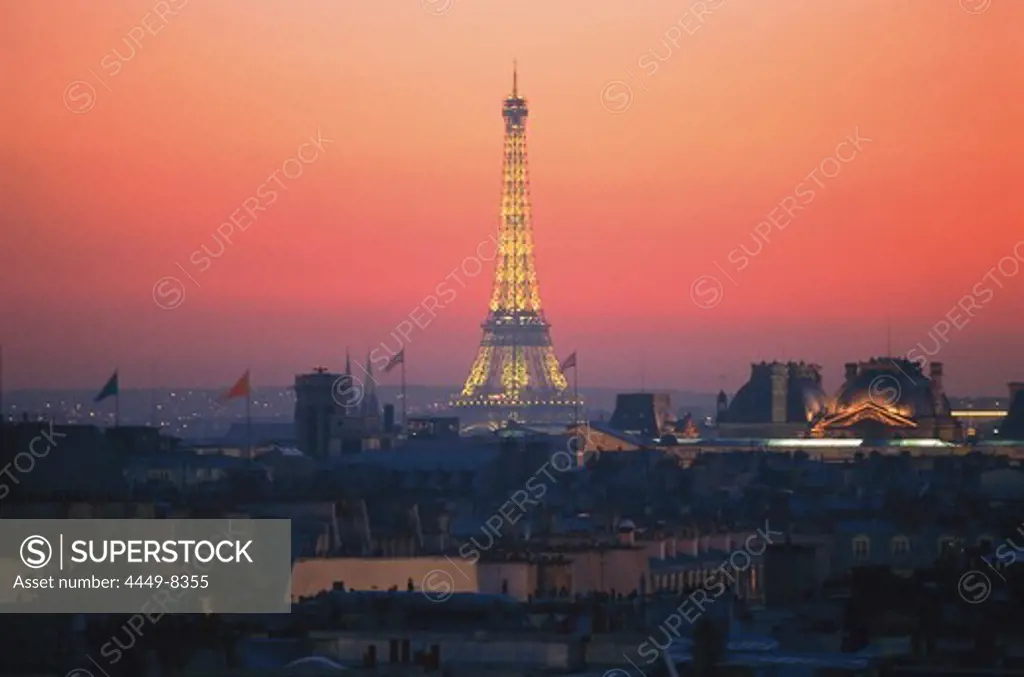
(515, 365)
(371, 407)
(348, 363)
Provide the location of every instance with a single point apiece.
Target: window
(900, 545)
(861, 547)
(947, 545)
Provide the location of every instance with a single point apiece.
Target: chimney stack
(935, 374)
(627, 532)
(780, 390)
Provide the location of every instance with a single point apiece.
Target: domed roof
(893, 383)
(804, 395)
(314, 665)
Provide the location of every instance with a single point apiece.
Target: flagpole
(575, 393)
(405, 411)
(248, 418)
(152, 394)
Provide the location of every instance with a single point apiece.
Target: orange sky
(630, 206)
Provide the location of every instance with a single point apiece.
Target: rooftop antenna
(515, 80)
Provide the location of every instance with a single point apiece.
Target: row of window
(172, 475)
(682, 580)
(900, 545)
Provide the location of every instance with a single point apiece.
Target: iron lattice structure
(515, 366)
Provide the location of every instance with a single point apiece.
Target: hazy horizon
(611, 391)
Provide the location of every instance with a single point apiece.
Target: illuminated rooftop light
(920, 443)
(812, 442)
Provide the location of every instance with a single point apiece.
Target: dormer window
(900, 545)
(862, 547)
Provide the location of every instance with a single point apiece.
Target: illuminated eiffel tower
(516, 368)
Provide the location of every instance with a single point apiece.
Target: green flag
(108, 390)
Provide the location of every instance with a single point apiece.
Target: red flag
(569, 361)
(240, 389)
(398, 359)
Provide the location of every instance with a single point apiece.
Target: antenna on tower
(515, 79)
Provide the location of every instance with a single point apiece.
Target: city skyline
(492, 337)
(666, 152)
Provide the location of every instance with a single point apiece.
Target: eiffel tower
(515, 369)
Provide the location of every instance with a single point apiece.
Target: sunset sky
(660, 136)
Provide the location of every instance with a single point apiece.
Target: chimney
(626, 531)
(851, 371)
(780, 387)
(936, 376)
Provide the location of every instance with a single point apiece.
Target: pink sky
(631, 205)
